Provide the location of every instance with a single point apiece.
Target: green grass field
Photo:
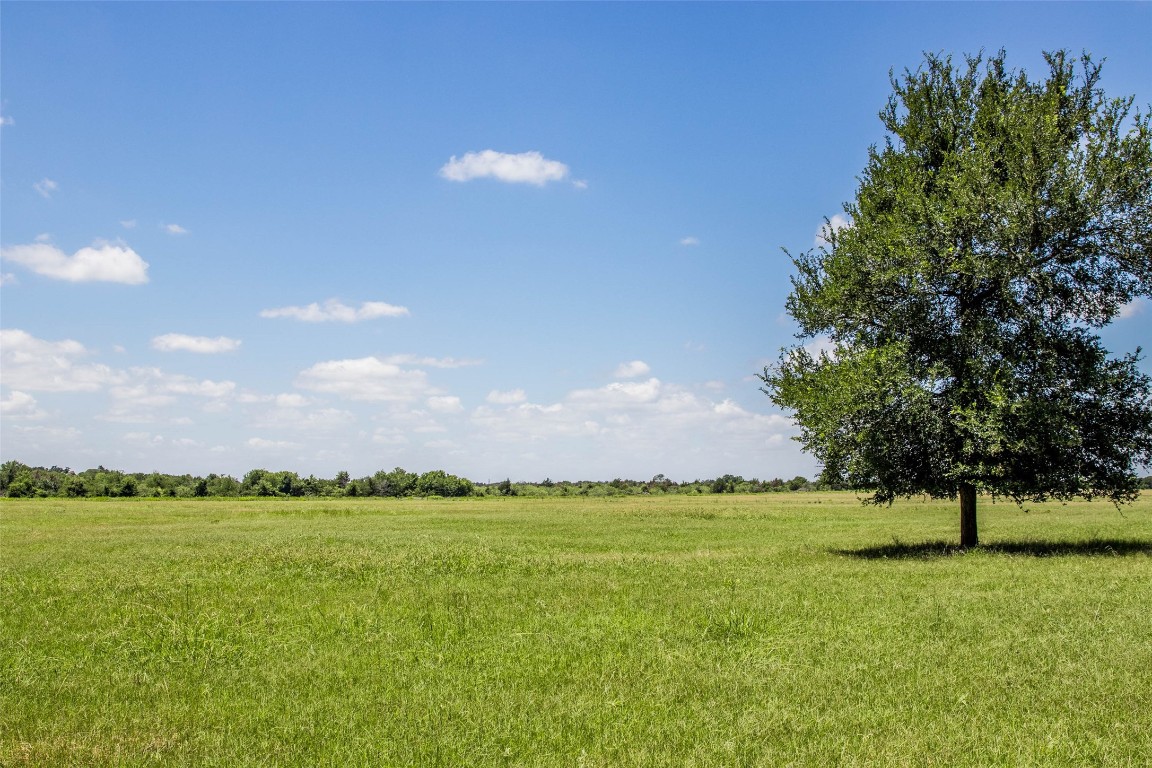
(781, 629)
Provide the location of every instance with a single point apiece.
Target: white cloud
(172, 342)
(142, 392)
(102, 262)
(580, 184)
(296, 418)
(5, 120)
(445, 404)
(45, 188)
(366, 378)
(175, 229)
(524, 168)
(1132, 308)
(631, 370)
(506, 398)
(619, 393)
(128, 223)
(689, 241)
(820, 344)
(29, 363)
(838, 222)
(262, 444)
(7, 278)
(431, 362)
(628, 429)
(333, 310)
(20, 405)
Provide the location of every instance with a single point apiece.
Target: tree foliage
(1000, 224)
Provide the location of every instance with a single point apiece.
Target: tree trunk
(968, 537)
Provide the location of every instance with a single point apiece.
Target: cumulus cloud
(291, 400)
(7, 278)
(295, 418)
(689, 241)
(444, 404)
(102, 262)
(820, 344)
(506, 398)
(261, 444)
(619, 393)
(333, 310)
(366, 378)
(431, 362)
(636, 427)
(45, 188)
(29, 363)
(5, 120)
(20, 405)
(173, 342)
(631, 370)
(838, 222)
(175, 229)
(1132, 308)
(524, 168)
(141, 392)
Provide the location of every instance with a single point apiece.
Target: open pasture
(780, 629)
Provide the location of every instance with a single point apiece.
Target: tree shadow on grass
(931, 550)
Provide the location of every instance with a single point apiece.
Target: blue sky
(504, 240)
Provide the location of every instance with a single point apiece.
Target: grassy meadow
(768, 630)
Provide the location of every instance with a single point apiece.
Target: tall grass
(689, 631)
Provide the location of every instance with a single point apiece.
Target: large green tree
(1000, 224)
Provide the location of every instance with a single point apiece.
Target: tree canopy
(1000, 224)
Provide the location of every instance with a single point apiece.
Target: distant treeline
(19, 480)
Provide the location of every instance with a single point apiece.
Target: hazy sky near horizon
(518, 240)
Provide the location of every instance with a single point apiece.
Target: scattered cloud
(45, 188)
(128, 223)
(631, 370)
(141, 392)
(175, 229)
(295, 418)
(444, 404)
(291, 400)
(628, 428)
(262, 444)
(5, 120)
(20, 405)
(333, 310)
(524, 168)
(510, 397)
(366, 378)
(7, 278)
(174, 342)
(618, 393)
(580, 184)
(431, 362)
(1132, 308)
(821, 344)
(689, 241)
(29, 363)
(838, 222)
(101, 262)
